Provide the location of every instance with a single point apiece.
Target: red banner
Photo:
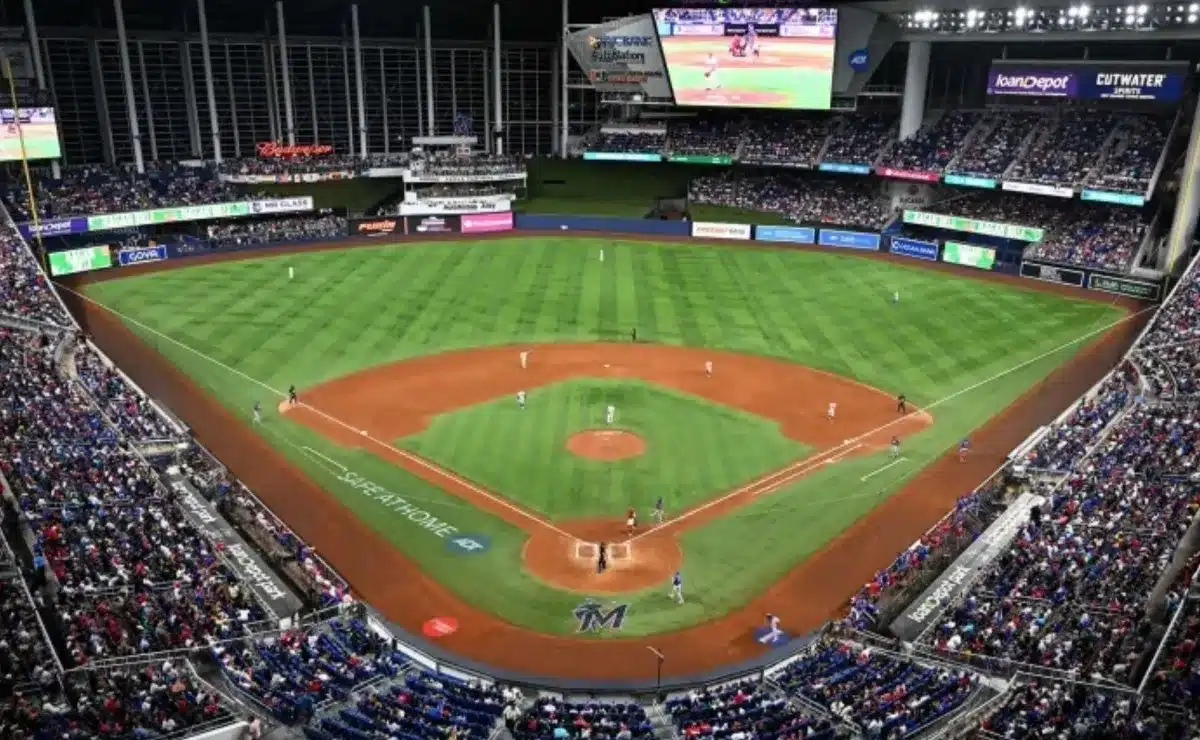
(273, 149)
(908, 174)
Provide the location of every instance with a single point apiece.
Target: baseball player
(630, 521)
(633, 334)
(964, 446)
(895, 445)
(677, 587)
(601, 557)
(773, 631)
(292, 395)
(610, 415)
(710, 73)
(901, 404)
(525, 359)
(708, 368)
(895, 297)
(521, 400)
(750, 43)
(659, 514)
(257, 412)
(831, 413)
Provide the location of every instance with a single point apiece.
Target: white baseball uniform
(610, 415)
(832, 412)
(708, 368)
(521, 399)
(524, 360)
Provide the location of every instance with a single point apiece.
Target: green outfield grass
(688, 456)
(355, 308)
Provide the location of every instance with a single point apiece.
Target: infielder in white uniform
(710, 73)
(832, 412)
(521, 400)
(525, 359)
(610, 415)
(708, 368)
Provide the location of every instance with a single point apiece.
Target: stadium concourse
(122, 617)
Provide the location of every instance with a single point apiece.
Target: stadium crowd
(784, 141)
(629, 141)
(1066, 152)
(811, 200)
(745, 710)
(24, 292)
(859, 139)
(295, 166)
(1065, 443)
(89, 190)
(998, 148)
(932, 148)
(235, 234)
(123, 405)
(550, 718)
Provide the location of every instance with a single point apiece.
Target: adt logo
(858, 60)
(469, 544)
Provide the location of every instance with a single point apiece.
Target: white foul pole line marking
(873, 473)
(362, 432)
(789, 474)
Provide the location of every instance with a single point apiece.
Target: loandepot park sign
(622, 56)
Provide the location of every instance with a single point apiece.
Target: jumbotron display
(749, 57)
(39, 128)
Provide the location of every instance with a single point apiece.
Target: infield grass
(967, 347)
(688, 459)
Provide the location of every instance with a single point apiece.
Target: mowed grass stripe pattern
(695, 449)
(345, 311)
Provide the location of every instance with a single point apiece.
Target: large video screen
(749, 57)
(39, 128)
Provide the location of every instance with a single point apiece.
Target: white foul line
(383, 445)
(310, 450)
(838, 458)
(803, 466)
(873, 473)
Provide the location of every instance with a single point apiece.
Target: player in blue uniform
(963, 448)
(677, 587)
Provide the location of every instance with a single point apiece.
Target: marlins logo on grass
(593, 617)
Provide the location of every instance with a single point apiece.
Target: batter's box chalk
(585, 550)
(620, 551)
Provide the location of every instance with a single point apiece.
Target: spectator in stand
(277, 231)
(703, 137)
(123, 405)
(784, 140)
(1067, 153)
(89, 190)
(628, 141)
(1131, 162)
(744, 710)
(24, 291)
(992, 154)
(932, 148)
(473, 165)
(596, 720)
(811, 200)
(860, 138)
(1064, 444)
(1044, 709)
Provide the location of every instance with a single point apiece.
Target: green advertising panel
(167, 215)
(969, 255)
(80, 260)
(699, 159)
(974, 226)
(1124, 286)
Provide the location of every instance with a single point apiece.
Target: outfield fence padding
(551, 222)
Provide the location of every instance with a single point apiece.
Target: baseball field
(411, 467)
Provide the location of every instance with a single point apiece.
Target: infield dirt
(806, 596)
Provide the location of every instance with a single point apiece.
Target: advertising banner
(700, 159)
(848, 239)
(487, 223)
(709, 230)
(376, 226)
(969, 255)
(141, 255)
(157, 216)
(974, 226)
(1037, 189)
(1142, 289)
(844, 169)
(298, 204)
(385, 172)
(914, 248)
(434, 225)
(427, 177)
(476, 204)
(969, 181)
(622, 56)
(1052, 274)
(1107, 196)
(276, 150)
(80, 260)
(907, 174)
(294, 177)
(955, 581)
(54, 227)
(792, 234)
(621, 157)
(1160, 82)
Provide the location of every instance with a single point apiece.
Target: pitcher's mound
(606, 444)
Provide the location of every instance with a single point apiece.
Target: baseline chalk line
(311, 451)
(873, 473)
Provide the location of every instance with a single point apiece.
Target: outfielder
(610, 415)
(257, 413)
(521, 400)
(677, 587)
(832, 412)
(659, 514)
(524, 359)
(896, 297)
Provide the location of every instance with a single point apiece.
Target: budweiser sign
(271, 149)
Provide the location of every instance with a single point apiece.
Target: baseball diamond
(406, 435)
